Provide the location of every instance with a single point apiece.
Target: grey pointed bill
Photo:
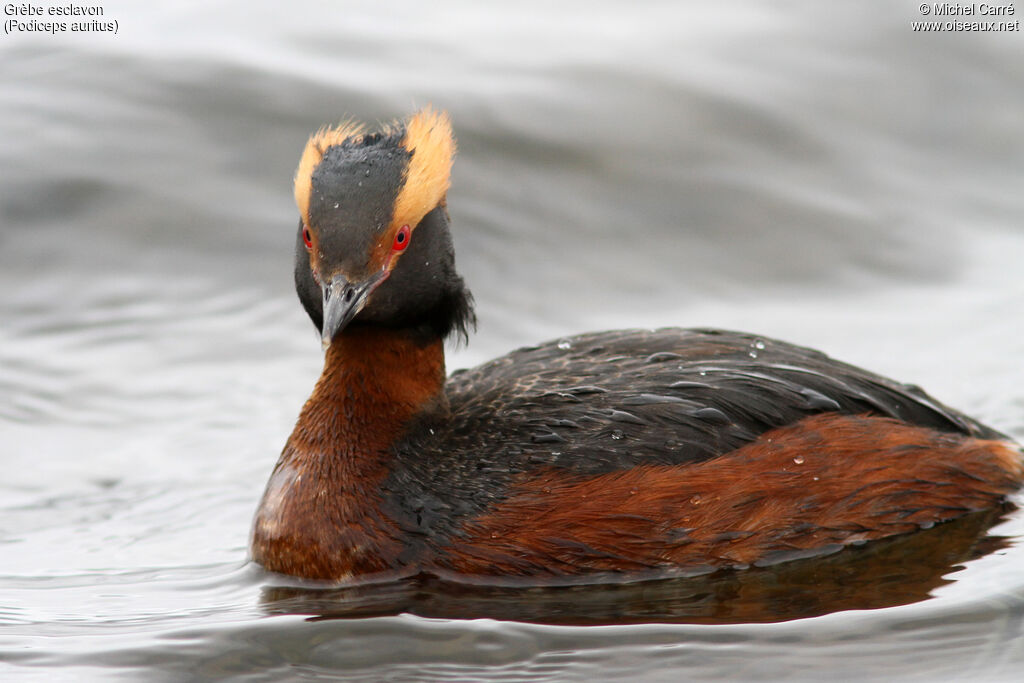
(342, 302)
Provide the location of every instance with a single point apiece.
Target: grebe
(627, 452)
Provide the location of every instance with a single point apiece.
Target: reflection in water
(895, 571)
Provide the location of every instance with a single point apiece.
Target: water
(816, 173)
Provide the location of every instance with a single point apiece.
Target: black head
(373, 246)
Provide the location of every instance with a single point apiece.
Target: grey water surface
(816, 172)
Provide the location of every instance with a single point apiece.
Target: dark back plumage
(598, 403)
(609, 400)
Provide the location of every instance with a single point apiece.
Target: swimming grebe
(627, 452)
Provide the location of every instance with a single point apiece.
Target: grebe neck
(374, 383)
(320, 514)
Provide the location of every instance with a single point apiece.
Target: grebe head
(373, 246)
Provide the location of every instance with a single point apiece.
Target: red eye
(307, 237)
(401, 239)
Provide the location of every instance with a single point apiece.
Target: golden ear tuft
(318, 143)
(428, 135)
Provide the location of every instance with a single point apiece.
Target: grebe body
(627, 452)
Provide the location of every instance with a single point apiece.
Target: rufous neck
(375, 382)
